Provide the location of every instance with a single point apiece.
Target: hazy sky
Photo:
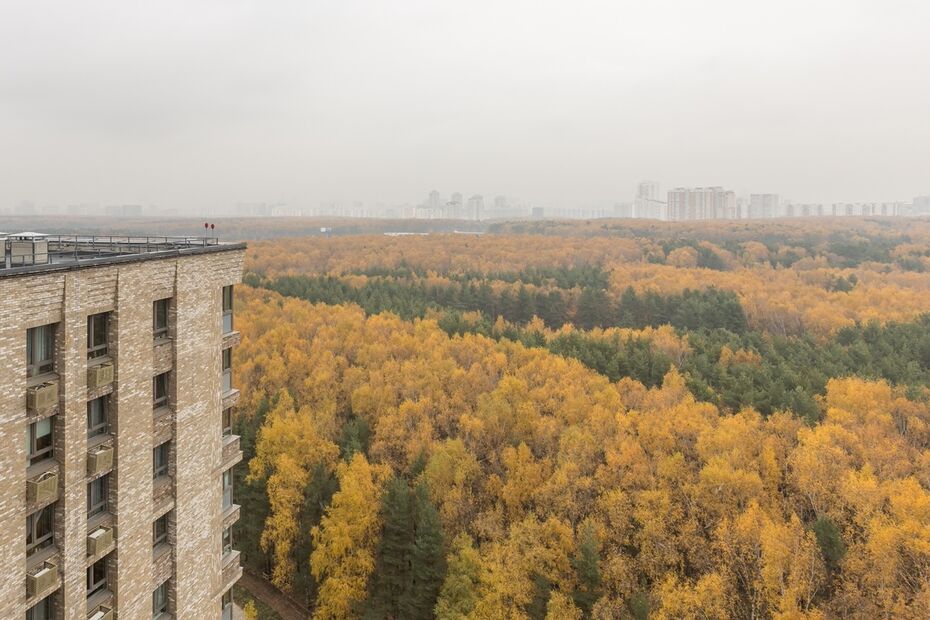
(211, 103)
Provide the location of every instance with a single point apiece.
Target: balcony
(101, 612)
(41, 579)
(229, 399)
(42, 488)
(232, 570)
(230, 515)
(162, 563)
(162, 356)
(231, 339)
(99, 541)
(42, 396)
(231, 452)
(99, 460)
(99, 375)
(162, 493)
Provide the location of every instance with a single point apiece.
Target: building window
(160, 460)
(40, 350)
(227, 488)
(97, 495)
(226, 605)
(160, 530)
(160, 318)
(98, 416)
(227, 309)
(227, 370)
(41, 610)
(40, 529)
(97, 335)
(39, 441)
(96, 577)
(160, 390)
(227, 541)
(160, 601)
(227, 422)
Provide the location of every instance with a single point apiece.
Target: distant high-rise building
(500, 206)
(475, 210)
(764, 206)
(456, 206)
(702, 203)
(434, 201)
(647, 202)
(921, 205)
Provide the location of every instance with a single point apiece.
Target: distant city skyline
(208, 104)
(649, 201)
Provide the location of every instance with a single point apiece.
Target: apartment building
(702, 203)
(764, 206)
(116, 406)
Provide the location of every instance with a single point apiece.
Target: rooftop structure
(25, 250)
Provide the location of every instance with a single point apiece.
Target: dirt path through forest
(269, 595)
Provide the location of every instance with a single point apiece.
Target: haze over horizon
(213, 103)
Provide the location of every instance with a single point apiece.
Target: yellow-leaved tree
(344, 543)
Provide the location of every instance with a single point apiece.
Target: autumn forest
(566, 420)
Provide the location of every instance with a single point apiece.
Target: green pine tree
(392, 574)
(427, 561)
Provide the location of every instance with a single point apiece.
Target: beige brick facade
(192, 558)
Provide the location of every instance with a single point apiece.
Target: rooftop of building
(30, 252)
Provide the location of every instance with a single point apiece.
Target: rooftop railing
(51, 249)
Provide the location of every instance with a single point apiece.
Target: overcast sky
(213, 103)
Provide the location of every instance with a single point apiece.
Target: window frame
(95, 351)
(227, 541)
(226, 365)
(33, 455)
(34, 367)
(227, 422)
(228, 474)
(161, 451)
(163, 306)
(46, 605)
(33, 522)
(160, 600)
(227, 296)
(95, 586)
(101, 428)
(226, 604)
(101, 506)
(159, 537)
(160, 401)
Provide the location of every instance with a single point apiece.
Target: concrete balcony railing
(232, 569)
(162, 490)
(99, 375)
(101, 612)
(43, 488)
(41, 578)
(232, 454)
(99, 540)
(231, 515)
(43, 396)
(230, 398)
(162, 355)
(99, 460)
(231, 339)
